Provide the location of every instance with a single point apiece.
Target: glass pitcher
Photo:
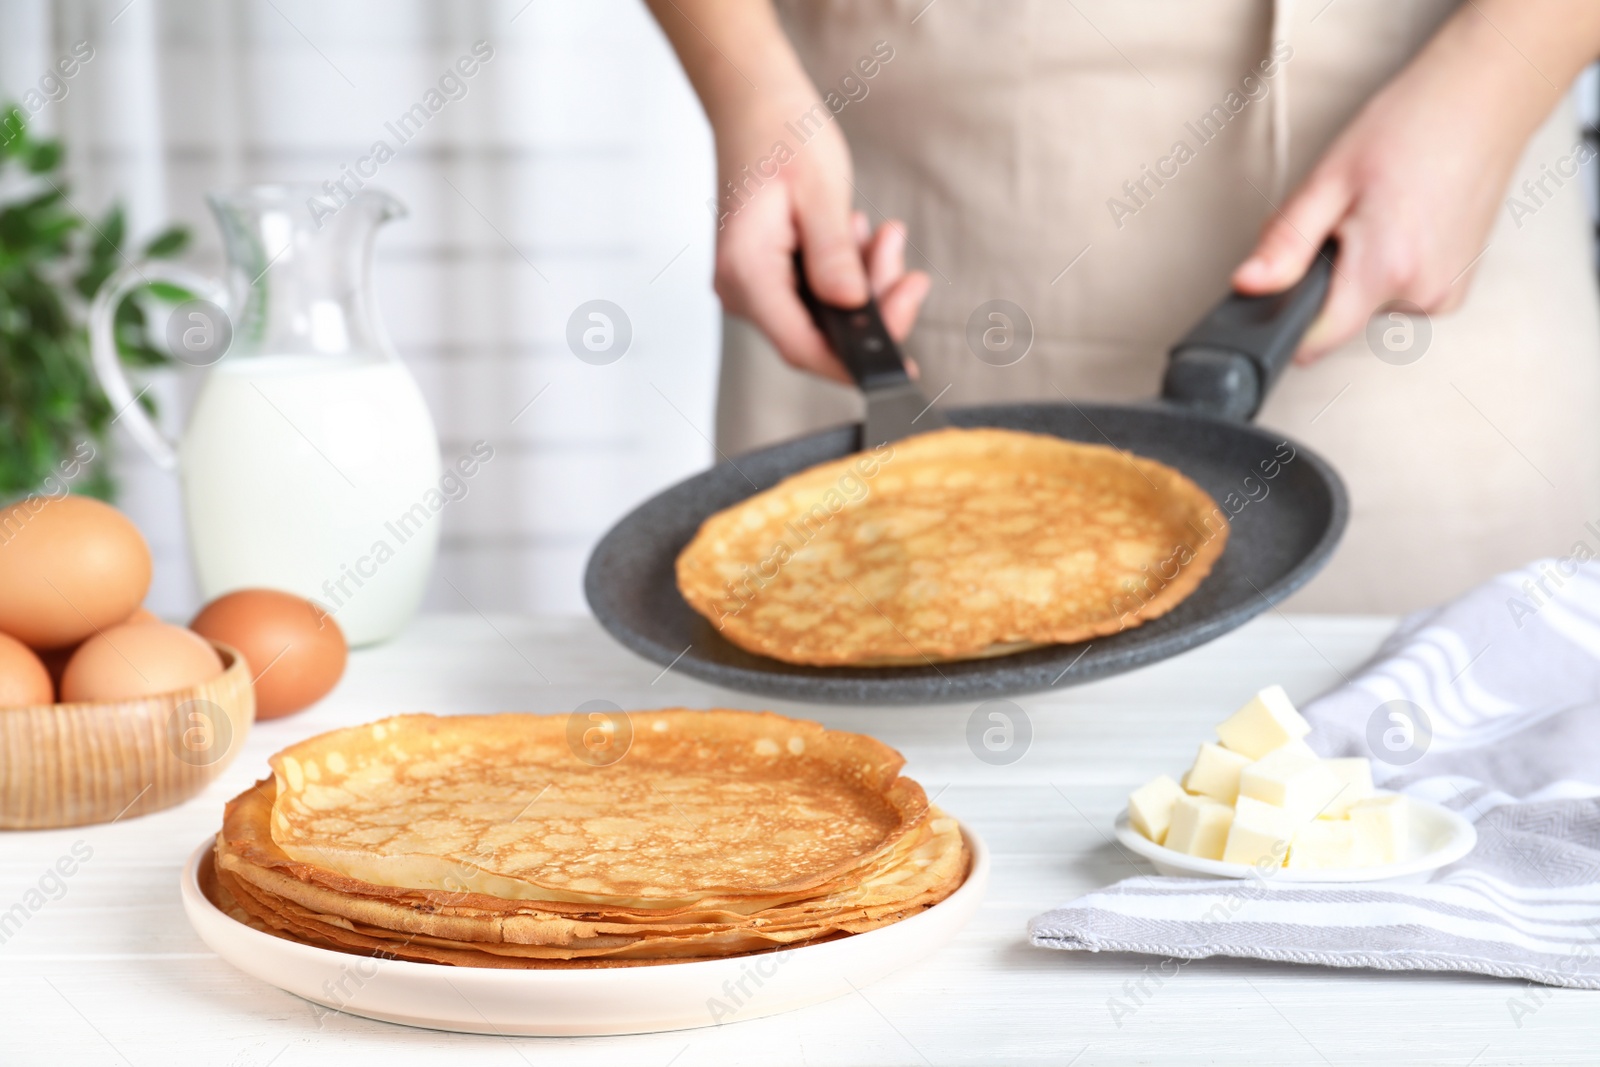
(310, 463)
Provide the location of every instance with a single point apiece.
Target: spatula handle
(856, 335)
(1232, 358)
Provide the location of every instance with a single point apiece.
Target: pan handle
(1230, 361)
(857, 336)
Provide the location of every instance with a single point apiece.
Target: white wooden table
(110, 973)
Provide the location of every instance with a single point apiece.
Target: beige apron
(1002, 132)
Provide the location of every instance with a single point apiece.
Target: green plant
(52, 259)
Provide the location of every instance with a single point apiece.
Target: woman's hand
(787, 193)
(805, 204)
(1412, 185)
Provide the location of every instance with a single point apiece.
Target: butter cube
(1199, 827)
(1355, 778)
(1267, 722)
(1259, 832)
(1298, 747)
(1216, 773)
(1150, 807)
(1382, 829)
(1323, 844)
(1300, 786)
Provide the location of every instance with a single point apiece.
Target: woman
(1109, 167)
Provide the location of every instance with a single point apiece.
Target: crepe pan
(1287, 509)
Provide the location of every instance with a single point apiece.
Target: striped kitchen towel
(1489, 705)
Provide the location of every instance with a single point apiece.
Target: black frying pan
(1287, 511)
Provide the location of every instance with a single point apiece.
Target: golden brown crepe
(951, 545)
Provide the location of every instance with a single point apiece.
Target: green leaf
(44, 156)
(167, 243)
(172, 294)
(113, 228)
(13, 131)
(142, 355)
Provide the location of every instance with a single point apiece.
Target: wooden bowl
(91, 762)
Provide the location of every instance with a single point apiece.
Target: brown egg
(69, 567)
(23, 679)
(138, 659)
(295, 650)
(55, 660)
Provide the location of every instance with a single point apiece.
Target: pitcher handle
(103, 346)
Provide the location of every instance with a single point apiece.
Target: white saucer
(1439, 836)
(604, 1000)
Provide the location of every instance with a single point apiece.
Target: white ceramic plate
(1439, 836)
(605, 1000)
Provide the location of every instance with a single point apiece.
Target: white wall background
(579, 149)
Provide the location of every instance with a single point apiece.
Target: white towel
(1508, 683)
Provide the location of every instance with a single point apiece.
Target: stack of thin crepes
(582, 841)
